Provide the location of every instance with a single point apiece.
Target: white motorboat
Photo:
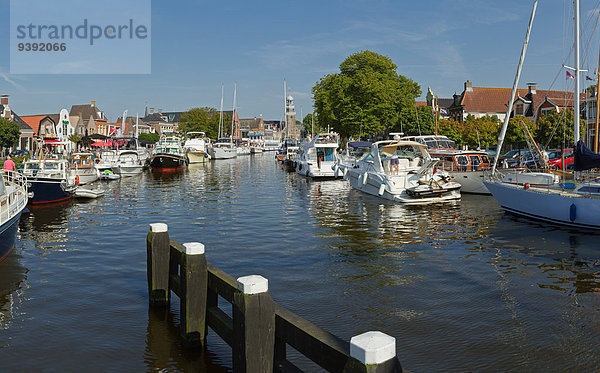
(83, 168)
(196, 147)
(401, 171)
(317, 158)
(243, 148)
(109, 175)
(257, 144)
(87, 192)
(106, 160)
(128, 163)
(13, 199)
(354, 152)
(223, 149)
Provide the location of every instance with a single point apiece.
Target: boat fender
(336, 171)
(345, 174)
(205, 155)
(381, 189)
(573, 212)
(76, 179)
(526, 186)
(365, 177)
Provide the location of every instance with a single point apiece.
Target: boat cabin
(433, 141)
(462, 160)
(82, 160)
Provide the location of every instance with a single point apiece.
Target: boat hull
(470, 182)
(47, 190)
(8, 236)
(560, 208)
(197, 157)
(373, 186)
(86, 176)
(129, 170)
(307, 169)
(168, 162)
(223, 153)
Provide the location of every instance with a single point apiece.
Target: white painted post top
(193, 248)
(253, 284)
(372, 347)
(159, 227)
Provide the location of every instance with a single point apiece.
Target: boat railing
(15, 196)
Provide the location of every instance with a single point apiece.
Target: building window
(519, 109)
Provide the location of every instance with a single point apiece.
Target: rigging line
(566, 9)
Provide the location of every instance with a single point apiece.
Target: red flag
(569, 75)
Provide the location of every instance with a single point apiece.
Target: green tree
(557, 129)
(482, 131)
(367, 93)
(154, 137)
(75, 138)
(10, 132)
(415, 121)
(451, 129)
(515, 133)
(205, 120)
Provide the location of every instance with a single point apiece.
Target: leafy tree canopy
(366, 94)
(10, 132)
(154, 137)
(205, 120)
(556, 129)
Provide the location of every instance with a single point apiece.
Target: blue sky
(198, 45)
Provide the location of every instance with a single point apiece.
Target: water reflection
(47, 225)
(164, 351)
(13, 277)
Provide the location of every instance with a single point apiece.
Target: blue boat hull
(8, 235)
(46, 190)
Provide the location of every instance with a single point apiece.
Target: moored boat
(223, 149)
(169, 155)
(13, 199)
(196, 147)
(317, 158)
(401, 171)
(48, 180)
(128, 163)
(83, 168)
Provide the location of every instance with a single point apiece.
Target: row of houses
(89, 119)
(531, 103)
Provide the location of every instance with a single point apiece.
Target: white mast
(514, 90)
(577, 70)
(285, 109)
(233, 115)
(137, 117)
(219, 135)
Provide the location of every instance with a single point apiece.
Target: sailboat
(578, 206)
(223, 148)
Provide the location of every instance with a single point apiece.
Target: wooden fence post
(376, 353)
(253, 326)
(158, 248)
(194, 284)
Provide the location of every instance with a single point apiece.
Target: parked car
(514, 158)
(555, 157)
(19, 153)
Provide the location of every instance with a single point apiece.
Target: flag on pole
(587, 77)
(569, 75)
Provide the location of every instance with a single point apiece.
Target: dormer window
(519, 109)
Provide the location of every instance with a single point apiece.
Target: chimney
(93, 104)
(151, 110)
(159, 111)
(532, 87)
(468, 86)
(4, 100)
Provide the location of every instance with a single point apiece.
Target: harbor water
(461, 286)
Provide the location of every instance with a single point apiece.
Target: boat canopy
(585, 159)
(391, 148)
(359, 144)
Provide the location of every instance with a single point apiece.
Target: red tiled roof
(33, 121)
(420, 103)
(496, 99)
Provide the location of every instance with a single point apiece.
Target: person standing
(9, 165)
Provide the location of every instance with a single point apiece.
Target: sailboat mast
(514, 90)
(597, 104)
(137, 118)
(577, 70)
(285, 109)
(233, 115)
(221, 115)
